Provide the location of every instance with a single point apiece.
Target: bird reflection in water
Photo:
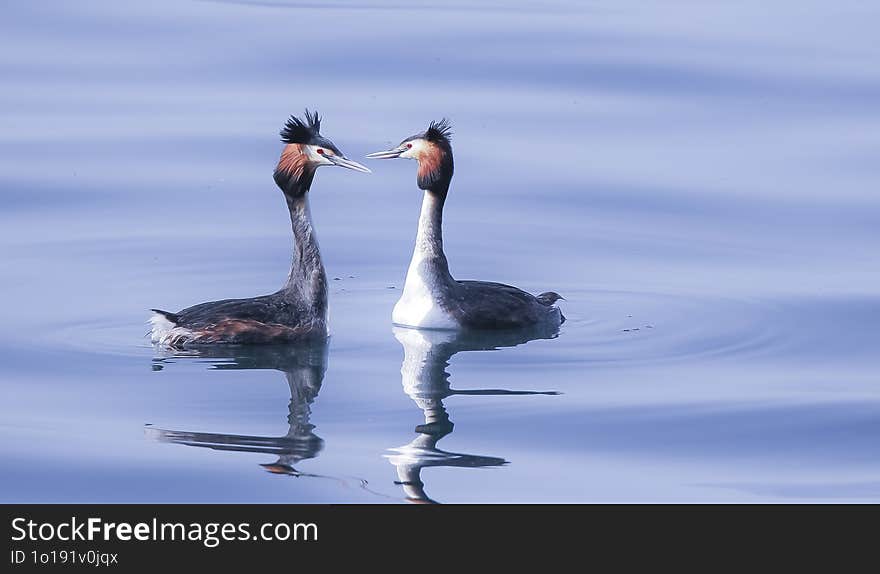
(426, 356)
(303, 366)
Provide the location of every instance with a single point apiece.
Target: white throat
(418, 305)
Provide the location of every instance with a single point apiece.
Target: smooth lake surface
(699, 181)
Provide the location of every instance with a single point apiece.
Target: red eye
(320, 151)
(408, 146)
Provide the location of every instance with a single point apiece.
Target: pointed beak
(347, 163)
(388, 154)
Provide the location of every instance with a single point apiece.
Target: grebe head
(306, 151)
(432, 149)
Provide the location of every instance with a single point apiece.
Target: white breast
(417, 306)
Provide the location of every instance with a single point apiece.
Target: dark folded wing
(266, 309)
(487, 305)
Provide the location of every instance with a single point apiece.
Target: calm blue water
(699, 181)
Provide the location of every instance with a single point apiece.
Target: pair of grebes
(431, 298)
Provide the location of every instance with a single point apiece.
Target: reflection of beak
(389, 154)
(347, 163)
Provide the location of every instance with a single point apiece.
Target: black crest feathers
(439, 132)
(301, 131)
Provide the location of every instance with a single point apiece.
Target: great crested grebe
(431, 298)
(298, 311)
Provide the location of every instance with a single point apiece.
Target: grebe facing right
(431, 298)
(298, 311)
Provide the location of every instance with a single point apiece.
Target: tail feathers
(548, 298)
(173, 317)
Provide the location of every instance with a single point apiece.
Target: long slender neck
(307, 280)
(429, 238)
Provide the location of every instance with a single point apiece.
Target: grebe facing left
(298, 311)
(431, 298)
